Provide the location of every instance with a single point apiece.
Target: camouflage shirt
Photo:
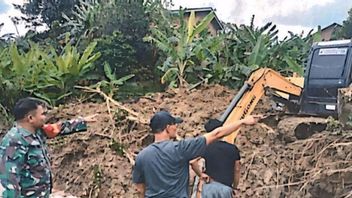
(24, 161)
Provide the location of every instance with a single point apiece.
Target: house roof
(204, 9)
(333, 25)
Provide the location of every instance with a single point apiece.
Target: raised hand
(252, 119)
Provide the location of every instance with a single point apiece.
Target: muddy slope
(98, 163)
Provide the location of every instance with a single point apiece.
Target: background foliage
(136, 47)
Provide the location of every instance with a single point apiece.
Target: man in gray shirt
(162, 168)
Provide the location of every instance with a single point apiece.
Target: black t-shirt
(220, 158)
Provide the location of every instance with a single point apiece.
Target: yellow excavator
(327, 72)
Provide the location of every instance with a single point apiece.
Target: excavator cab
(329, 68)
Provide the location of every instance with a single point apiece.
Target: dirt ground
(97, 163)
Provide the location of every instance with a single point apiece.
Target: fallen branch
(349, 194)
(112, 122)
(311, 179)
(129, 157)
(120, 106)
(320, 154)
(102, 135)
(277, 186)
(140, 140)
(344, 170)
(267, 128)
(308, 140)
(108, 99)
(134, 133)
(342, 144)
(250, 164)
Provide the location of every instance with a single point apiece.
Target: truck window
(328, 63)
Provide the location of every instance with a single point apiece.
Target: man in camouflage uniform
(24, 162)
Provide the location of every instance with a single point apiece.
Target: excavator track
(298, 128)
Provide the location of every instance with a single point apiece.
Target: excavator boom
(249, 95)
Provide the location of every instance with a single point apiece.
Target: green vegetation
(102, 45)
(346, 30)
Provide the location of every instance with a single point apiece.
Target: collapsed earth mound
(98, 163)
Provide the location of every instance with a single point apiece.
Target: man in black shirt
(222, 166)
(162, 168)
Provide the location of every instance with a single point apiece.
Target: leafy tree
(46, 11)
(117, 53)
(346, 30)
(108, 16)
(125, 51)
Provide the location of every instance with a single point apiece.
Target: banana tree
(254, 47)
(66, 70)
(42, 72)
(179, 47)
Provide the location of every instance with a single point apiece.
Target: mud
(97, 163)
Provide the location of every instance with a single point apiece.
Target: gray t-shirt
(164, 167)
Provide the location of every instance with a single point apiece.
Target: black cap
(212, 124)
(161, 119)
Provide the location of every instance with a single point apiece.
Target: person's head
(31, 111)
(163, 121)
(212, 124)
